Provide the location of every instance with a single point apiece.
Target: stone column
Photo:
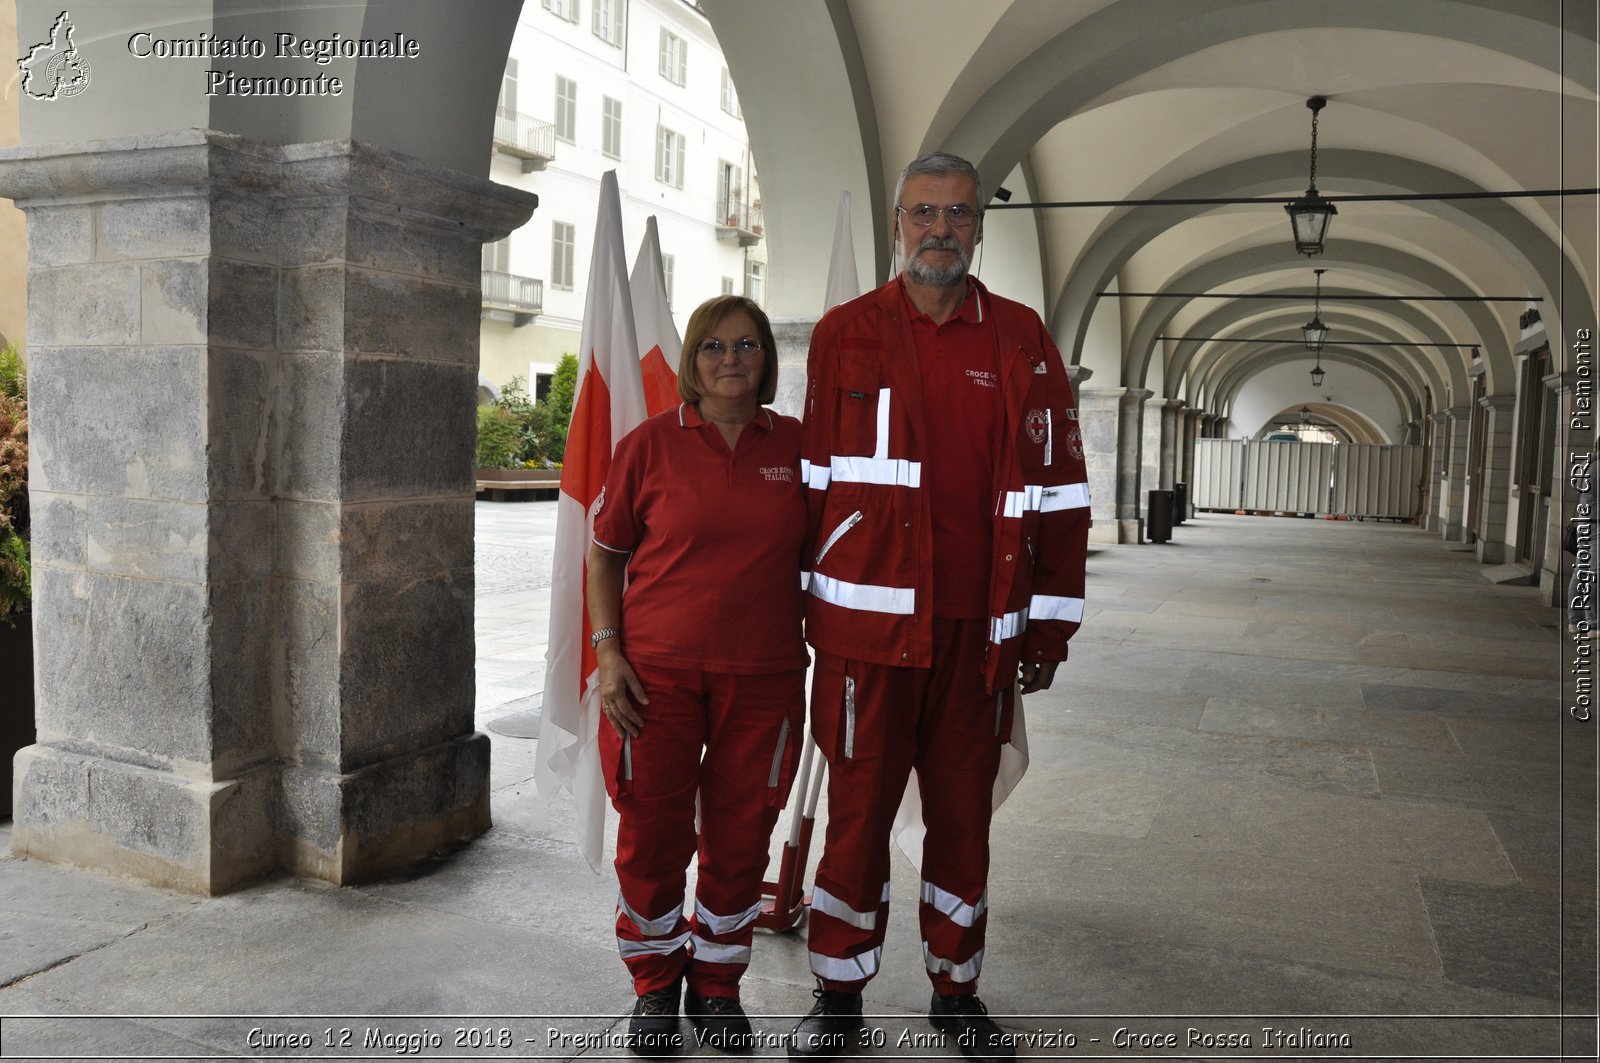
(252, 386)
(1171, 442)
(1494, 500)
(1147, 416)
(794, 342)
(1191, 431)
(1111, 438)
(1455, 483)
(1436, 471)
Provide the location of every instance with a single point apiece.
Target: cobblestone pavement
(511, 550)
(514, 549)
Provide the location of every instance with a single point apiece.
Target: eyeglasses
(959, 215)
(743, 348)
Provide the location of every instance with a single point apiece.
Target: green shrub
(499, 437)
(523, 434)
(15, 570)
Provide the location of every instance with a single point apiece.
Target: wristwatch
(600, 636)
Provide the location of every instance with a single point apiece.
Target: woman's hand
(619, 688)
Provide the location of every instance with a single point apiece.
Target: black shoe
(721, 1021)
(832, 1026)
(975, 1033)
(653, 1030)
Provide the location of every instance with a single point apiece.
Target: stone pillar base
(163, 828)
(1130, 531)
(1106, 532)
(353, 826)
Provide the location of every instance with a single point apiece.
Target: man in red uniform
(949, 519)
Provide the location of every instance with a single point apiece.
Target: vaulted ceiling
(1089, 100)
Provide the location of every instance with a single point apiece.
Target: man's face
(940, 255)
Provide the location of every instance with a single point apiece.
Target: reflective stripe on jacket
(871, 532)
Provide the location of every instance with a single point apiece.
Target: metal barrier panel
(1218, 470)
(1378, 481)
(1285, 477)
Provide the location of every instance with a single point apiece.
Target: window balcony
(506, 294)
(524, 137)
(735, 221)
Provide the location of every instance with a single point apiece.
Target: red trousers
(732, 739)
(875, 723)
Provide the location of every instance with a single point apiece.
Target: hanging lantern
(1310, 214)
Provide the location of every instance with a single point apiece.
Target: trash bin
(1158, 516)
(1180, 503)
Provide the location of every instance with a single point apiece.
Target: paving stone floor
(1300, 776)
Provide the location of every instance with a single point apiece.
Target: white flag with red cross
(608, 404)
(660, 346)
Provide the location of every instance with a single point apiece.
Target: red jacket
(871, 533)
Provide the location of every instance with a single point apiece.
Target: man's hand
(1037, 676)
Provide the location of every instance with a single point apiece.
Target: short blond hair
(706, 317)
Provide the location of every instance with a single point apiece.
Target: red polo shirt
(961, 404)
(714, 580)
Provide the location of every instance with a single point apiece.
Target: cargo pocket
(781, 774)
(833, 707)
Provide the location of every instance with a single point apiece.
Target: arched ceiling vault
(1233, 370)
(1355, 425)
(1371, 261)
(1423, 366)
(1535, 259)
(1150, 99)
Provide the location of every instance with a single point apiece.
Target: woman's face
(731, 360)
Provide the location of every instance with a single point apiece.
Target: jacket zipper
(777, 756)
(849, 718)
(849, 522)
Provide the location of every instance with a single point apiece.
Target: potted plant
(16, 628)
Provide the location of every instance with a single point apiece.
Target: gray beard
(938, 276)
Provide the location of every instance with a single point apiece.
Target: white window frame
(611, 127)
(497, 255)
(563, 240)
(674, 64)
(669, 267)
(608, 20)
(563, 9)
(730, 193)
(669, 156)
(755, 278)
(727, 285)
(566, 110)
(508, 87)
(730, 95)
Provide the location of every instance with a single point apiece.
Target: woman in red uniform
(702, 669)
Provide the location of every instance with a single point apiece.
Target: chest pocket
(857, 400)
